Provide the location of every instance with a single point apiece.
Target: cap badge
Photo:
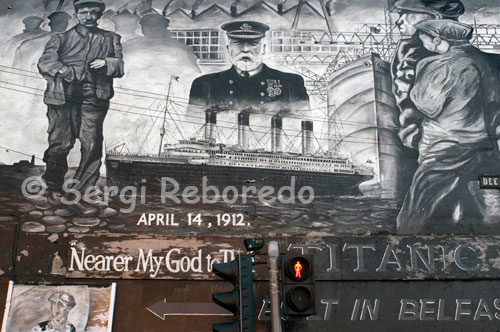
(246, 26)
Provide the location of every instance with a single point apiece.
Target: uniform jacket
(268, 90)
(459, 94)
(408, 53)
(72, 52)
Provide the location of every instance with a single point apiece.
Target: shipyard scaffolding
(322, 55)
(316, 55)
(316, 51)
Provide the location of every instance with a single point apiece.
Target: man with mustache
(61, 305)
(79, 66)
(249, 83)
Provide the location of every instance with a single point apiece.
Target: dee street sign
(489, 182)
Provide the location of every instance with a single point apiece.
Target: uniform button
(231, 81)
(231, 92)
(230, 102)
(262, 94)
(262, 83)
(262, 102)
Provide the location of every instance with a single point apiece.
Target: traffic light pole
(273, 254)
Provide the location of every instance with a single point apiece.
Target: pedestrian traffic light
(297, 285)
(240, 300)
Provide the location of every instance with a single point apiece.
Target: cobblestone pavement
(324, 216)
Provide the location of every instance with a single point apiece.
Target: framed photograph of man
(59, 308)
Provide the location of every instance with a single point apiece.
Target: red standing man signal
(298, 268)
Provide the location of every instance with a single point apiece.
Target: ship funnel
(307, 137)
(244, 130)
(210, 125)
(276, 129)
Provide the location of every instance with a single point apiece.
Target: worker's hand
(410, 116)
(409, 136)
(97, 63)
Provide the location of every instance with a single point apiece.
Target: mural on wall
(68, 308)
(326, 116)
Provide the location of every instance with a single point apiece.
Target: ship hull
(127, 171)
(361, 95)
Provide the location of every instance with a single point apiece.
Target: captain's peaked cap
(66, 299)
(441, 8)
(245, 29)
(89, 3)
(446, 29)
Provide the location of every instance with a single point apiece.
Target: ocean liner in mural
(238, 163)
(190, 160)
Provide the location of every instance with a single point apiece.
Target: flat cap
(245, 29)
(33, 20)
(88, 3)
(442, 8)
(59, 16)
(446, 29)
(64, 298)
(154, 20)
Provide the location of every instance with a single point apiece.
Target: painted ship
(189, 160)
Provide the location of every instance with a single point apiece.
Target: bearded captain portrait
(249, 84)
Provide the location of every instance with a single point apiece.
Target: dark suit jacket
(72, 52)
(269, 90)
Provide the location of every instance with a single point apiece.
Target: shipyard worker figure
(457, 93)
(60, 307)
(31, 29)
(30, 50)
(79, 66)
(410, 51)
(249, 83)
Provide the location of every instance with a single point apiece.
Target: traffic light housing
(297, 280)
(240, 300)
